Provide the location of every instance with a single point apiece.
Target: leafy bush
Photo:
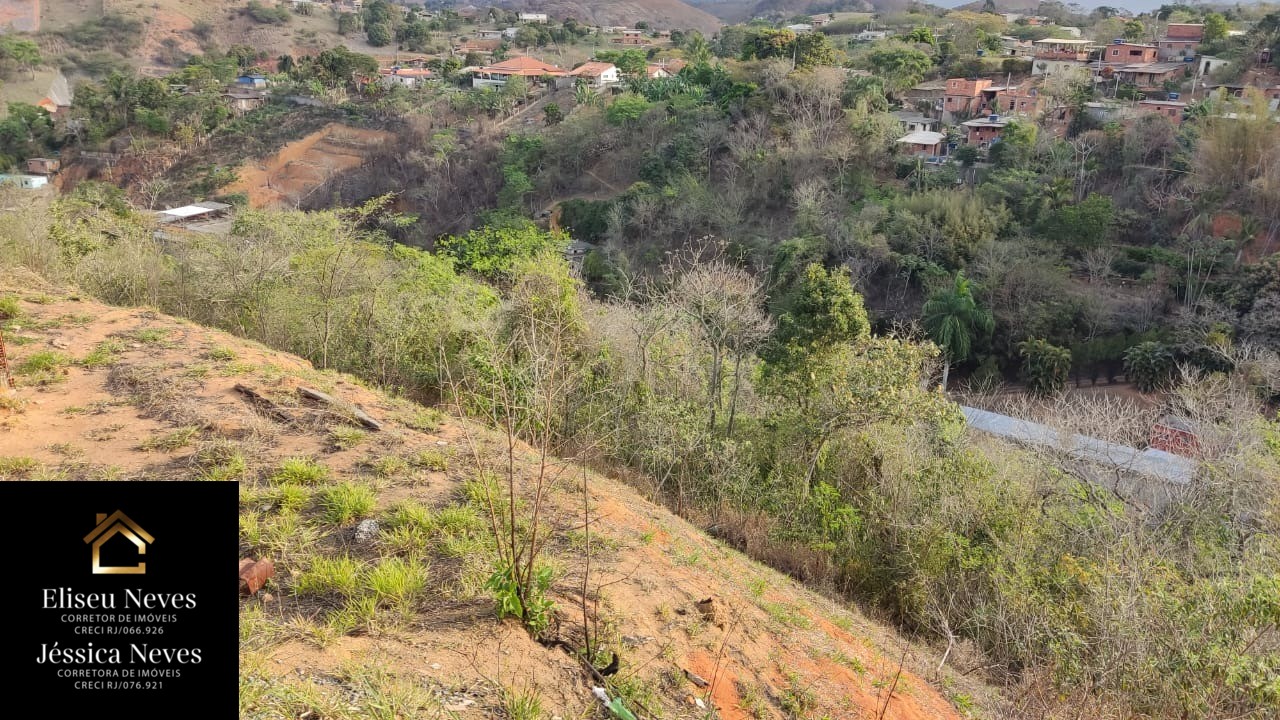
(1045, 367)
(1149, 365)
(277, 15)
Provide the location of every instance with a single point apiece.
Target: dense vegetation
(774, 296)
(798, 434)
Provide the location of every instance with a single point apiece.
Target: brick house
(1170, 109)
(1180, 40)
(983, 131)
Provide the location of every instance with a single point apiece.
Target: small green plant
(222, 461)
(422, 419)
(965, 704)
(347, 502)
(345, 437)
(757, 586)
(432, 460)
(797, 700)
(853, 663)
(9, 307)
(389, 466)
(149, 336)
(356, 613)
(18, 467)
(43, 367)
(300, 471)
(397, 582)
(524, 600)
(785, 614)
(522, 704)
(753, 701)
(66, 450)
(327, 576)
(171, 441)
(221, 354)
(104, 353)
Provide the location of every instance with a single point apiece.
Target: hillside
(660, 14)
(125, 393)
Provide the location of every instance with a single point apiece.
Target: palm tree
(953, 320)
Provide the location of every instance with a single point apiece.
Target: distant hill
(660, 14)
(734, 11)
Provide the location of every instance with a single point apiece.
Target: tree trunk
(733, 399)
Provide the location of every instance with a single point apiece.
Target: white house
(408, 77)
(26, 182)
(597, 74)
(871, 35)
(533, 17)
(799, 28)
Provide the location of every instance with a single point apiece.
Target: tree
(1215, 27)
(696, 48)
(1134, 29)
(902, 66)
(820, 312)
(552, 114)
(348, 23)
(725, 305)
(494, 252)
(24, 53)
(379, 34)
(813, 49)
(627, 110)
(1083, 226)
(1149, 365)
(765, 43)
(954, 322)
(922, 35)
(1045, 367)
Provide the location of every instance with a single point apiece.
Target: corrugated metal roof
(1152, 463)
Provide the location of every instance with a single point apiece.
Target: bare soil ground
(129, 393)
(299, 168)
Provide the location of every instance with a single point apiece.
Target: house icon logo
(117, 523)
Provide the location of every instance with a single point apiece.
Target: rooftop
(592, 69)
(523, 66)
(1153, 463)
(922, 137)
(190, 211)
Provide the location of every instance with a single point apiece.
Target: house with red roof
(529, 68)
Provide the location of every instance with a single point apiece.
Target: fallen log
(361, 416)
(262, 404)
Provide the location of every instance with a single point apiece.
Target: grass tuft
(299, 471)
(397, 582)
(104, 353)
(329, 577)
(171, 441)
(18, 467)
(347, 502)
(345, 437)
(433, 460)
(9, 307)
